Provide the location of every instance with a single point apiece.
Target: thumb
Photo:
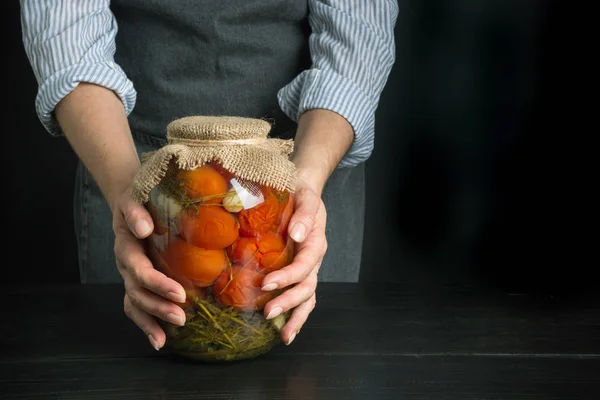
(307, 205)
(137, 217)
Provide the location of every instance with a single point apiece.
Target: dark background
(481, 168)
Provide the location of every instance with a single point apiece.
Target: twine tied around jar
(240, 145)
(203, 142)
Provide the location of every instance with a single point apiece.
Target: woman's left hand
(322, 139)
(307, 229)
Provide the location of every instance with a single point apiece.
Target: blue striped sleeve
(352, 49)
(68, 42)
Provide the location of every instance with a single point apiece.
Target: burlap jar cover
(239, 145)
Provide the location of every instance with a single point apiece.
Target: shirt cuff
(316, 88)
(60, 84)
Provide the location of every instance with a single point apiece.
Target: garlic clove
(232, 202)
(168, 207)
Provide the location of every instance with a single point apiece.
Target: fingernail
(153, 342)
(177, 297)
(175, 319)
(274, 312)
(298, 232)
(269, 287)
(142, 227)
(291, 339)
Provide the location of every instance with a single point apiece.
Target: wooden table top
(361, 342)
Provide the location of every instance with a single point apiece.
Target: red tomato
(276, 253)
(245, 252)
(260, 219)
(242, 291)
(265, 253)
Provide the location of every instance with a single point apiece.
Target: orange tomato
(161, 265)
(243, 291)
(202, 182)
(265, 253)
(209, 227)
(258, 220)
(200, 266)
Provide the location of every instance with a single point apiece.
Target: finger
(306, 205)
(297, 320)
(146, 323)
(136, 216)
(309, 256)
(155, 305)
(132, 258)
(291, 298)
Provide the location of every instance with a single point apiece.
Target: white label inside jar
(249, 193)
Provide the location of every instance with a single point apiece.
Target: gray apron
(213, 58)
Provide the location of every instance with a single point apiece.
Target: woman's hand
(322, 139)
(94, 121)
(307, 229)
(149, 294)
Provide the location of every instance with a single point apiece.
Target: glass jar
(218, 236)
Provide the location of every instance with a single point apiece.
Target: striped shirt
(351, 45)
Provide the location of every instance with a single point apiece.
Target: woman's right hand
(149, 294)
